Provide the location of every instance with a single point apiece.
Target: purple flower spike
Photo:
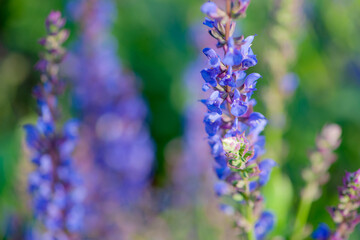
(54, 181)
(345, 214)
(116, 150)
(232, 126)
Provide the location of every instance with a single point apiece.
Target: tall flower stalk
(346, 214)
(317, 174)
(54, 184)
(280, 55)
(116, 152)
(286, 26)
(232, 126)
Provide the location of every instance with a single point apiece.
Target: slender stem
(249, 213)
(228, 12)
(303, 211)
(249, 208)
(250, 233)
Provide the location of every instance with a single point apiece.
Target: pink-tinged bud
(240, 8)
(231, 144)
(54, 20)
(244, 4)
(212, 10)
(329, 137)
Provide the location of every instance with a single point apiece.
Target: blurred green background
(155, 42)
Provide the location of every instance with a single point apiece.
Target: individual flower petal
(222, 172)
(71, 129)
(228, 80)
(253, 185)
(209, 8)
(233, 56)
(208, 22)
(205, 87)
(240, 78)
(32, 136)
(250, 59)
(221, 188)
(228, 210)
(289, 83)
(265, 167)
(244, 4)
(212, 56)
(214, 102)
(251, 80)
(249, 62)
(259, 147)
(255, 119)
(238, 107)
(212, 123)
(246, 44)
(209, 75)
(264, 225)
(322, 232)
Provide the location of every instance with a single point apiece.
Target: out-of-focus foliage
(154, 42)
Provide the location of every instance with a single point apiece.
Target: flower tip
(209, 8)
(205, 50)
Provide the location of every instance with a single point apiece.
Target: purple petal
(32, 135)
(255, 119)
(236, 94)
(238, 108)
(264, 225)
(212, 56)
(209, 8)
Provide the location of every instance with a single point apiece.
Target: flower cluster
(232, 125)
(54, 185)
(345, 214)
(317, 174)
(116, 153)
(321, 160)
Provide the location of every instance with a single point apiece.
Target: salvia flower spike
(54, 186)
(315, 176)
(232, 126)
(346, 214)
(116, 152)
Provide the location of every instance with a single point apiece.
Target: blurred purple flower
(54, 184)
(264, 225)
(116, 152)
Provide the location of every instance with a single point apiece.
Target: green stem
(250, 218)
(250, 214)
(303, 212)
